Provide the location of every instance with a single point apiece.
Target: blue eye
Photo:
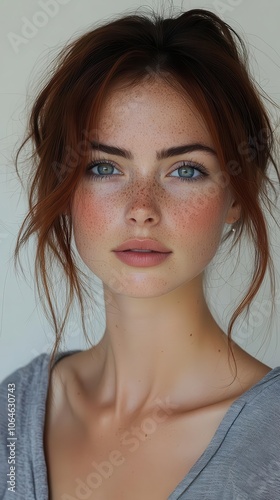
(104, 170)
(187, 171)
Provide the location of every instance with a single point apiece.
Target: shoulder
(77, 368)
(253, 463)
(252, 376)
(264, 402)
(256, 425)
(71, 382)
(27, 386)
(24, 379)
(64, 377)
(22, 396)
(68, 367)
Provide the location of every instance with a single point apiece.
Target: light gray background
(24, 331)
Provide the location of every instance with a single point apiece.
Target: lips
(142, 244)
(142, 253)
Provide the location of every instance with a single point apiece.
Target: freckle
(219, 350)
(190, 334)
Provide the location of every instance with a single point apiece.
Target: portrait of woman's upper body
(137, 162)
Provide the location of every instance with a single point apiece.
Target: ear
(234, 212)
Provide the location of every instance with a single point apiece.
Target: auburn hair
(203, 58)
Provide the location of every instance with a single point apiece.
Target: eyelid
(190, 161)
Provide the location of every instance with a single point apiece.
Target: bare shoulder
(249, 369)
(67, 378)
(56, 396)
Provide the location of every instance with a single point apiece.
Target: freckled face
(146, 197)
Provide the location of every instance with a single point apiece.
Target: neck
(154, 347)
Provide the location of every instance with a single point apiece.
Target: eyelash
(196, 166)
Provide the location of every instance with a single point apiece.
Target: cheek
(92, 210)
(88, 220)
(198, 224)
(204, 210)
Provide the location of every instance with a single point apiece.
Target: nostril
(149, 219)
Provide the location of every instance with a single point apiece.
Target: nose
(142, 209)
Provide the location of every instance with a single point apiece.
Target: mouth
(144, 245)
(142, 251)
(141, 257)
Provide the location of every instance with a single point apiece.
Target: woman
(151, 150)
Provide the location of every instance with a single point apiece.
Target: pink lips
(143, 244)
(127, 254)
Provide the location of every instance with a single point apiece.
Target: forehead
(152, 110)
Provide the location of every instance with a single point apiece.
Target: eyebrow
(160, 155)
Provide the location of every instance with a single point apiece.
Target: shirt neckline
(230, 416)
(226, 423)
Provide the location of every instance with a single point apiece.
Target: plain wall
(24, 330)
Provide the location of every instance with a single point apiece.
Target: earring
(233, 230)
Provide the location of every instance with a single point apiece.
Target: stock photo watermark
(48, 9)
(130, 441)
(11, 439)
(226, 6)
(259, 314)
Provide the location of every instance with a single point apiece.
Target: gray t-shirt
(242, 461)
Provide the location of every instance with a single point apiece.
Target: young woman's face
(181, 200)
